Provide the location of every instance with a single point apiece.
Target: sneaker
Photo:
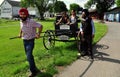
(78, 55)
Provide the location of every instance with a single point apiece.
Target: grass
(12, 56)
(101, 30)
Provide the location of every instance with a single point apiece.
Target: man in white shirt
(28, 33)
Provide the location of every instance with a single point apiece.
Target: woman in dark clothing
(64, 19)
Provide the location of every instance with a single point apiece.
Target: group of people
(86, 31)
(29, 32)
(65, 19)
(71, 20)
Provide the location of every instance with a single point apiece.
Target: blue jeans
(29, 46)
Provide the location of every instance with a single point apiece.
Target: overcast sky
(80, 2)
(67, 2)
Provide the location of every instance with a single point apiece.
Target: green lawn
(12, 56)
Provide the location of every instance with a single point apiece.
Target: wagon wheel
(49, 39)
(78, 44)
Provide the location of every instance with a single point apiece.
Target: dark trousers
(29, 45)
(86, 44)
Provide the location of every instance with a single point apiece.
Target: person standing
(74, 22)
(86, 32)
(73, 18)
(28, 33)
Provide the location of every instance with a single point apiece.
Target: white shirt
(28, 28)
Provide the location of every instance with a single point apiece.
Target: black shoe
(35, 73)
(90, 54)
(92, 57)
(83, 54)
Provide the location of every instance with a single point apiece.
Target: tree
(27, 3)
(50, 7)
(41, 5)
(53, 2)
(101, 6)
(118, 3)
(60, 7)
(89, 4)
(76, 7)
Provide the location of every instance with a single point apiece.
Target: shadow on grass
(72, 46)
(44, 75)
(56, 50)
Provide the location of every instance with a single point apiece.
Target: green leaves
(60, 6)
(75, 7)
(101, 5)
(118, 3)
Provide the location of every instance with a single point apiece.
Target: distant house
(9, 9)
(113, 15)
(33, 12)
(48, 14)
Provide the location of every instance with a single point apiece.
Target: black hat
(86, 12)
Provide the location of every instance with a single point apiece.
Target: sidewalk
(106, 57)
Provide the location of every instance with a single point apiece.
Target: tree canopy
(101, 5)
(76, 7)
(60, 7)
(118, 3)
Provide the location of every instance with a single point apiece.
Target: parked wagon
(62, 33)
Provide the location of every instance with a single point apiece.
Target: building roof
(14, 3)
(92, 10)
(114, 10)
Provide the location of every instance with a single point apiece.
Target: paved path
(107, 58)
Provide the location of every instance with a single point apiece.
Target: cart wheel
(49, 39)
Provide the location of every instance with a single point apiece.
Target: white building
(9, 9)
(48, 14)
(33, 11)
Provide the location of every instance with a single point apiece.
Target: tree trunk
(41, 12)
(101, 17)
(41, 16)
